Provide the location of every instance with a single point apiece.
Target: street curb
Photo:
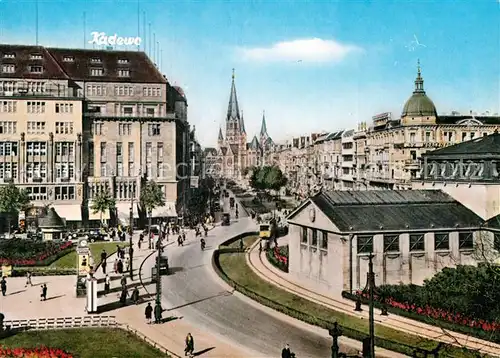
(142, 264)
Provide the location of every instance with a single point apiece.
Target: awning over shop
(69, 212)
(97, 216)
(123, 212)
(167, 211)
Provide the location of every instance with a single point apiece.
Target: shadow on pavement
(54, 297)
(169, 319)
(117, 276)
(117, 304)
(222, 294)
(119, 289)
(199, 353)
(15, 293)
(173, 270)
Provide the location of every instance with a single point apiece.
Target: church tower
(233, 118)
(220, 139)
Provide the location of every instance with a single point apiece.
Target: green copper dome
(419, 105)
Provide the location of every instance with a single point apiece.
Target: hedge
(478, 333)
(346, 331)
(41, 271)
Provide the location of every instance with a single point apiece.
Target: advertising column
(83, 267)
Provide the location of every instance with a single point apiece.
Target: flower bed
(488, 330)
(40, 352)
(278, 257)
(32, 253)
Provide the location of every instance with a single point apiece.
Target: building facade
(412, 234)
(384, 154)
(84, 121)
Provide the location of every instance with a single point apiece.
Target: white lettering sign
(100, 38)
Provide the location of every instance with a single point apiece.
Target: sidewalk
(172, 333)
(268, 272)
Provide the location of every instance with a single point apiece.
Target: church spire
(233, 110)
(263, 127)
(419, 81)
(242, 124)
(221, 137)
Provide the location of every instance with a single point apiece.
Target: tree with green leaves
(13, 200)
(101, 202)
(151, 197)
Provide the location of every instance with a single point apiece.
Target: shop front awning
(69, 212)
(123, 212)
(166, 211)
(97, 216)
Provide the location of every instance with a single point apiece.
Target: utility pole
(131, 233)
(371, 287)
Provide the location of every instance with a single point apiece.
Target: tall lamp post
(371, 287)
(158, 307)
(131, 233)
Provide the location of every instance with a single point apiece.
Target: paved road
(196, 294)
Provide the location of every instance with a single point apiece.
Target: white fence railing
(80, 322)
(61, 322)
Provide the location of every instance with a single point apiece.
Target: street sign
(195, 180)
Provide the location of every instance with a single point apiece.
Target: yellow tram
(265, 231)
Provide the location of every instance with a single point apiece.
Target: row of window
(105, 170)
(64, 127)
(24, 86)
(35, 127)
(131, 155)
(8, 107)
(8, 127)
(61, 193)
(8, 170)
(64, 107)
(154, 129)
(310, 237)
(417, 242)
(101, 90)
(99, 71)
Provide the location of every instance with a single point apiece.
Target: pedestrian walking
(189, 345)
(103, 265)
(139, 243)
(119, 266)
(123, 281)
(103, 255)
(148, 313)
(3, 285)
(28, 279)
(135, 295)
(179, 241)
(158, 313)
(260, 245)
(127, 263)
(286, 353)
(115, 266)
(107, 283)
(123, 296)
(43, 295)
(241, 244)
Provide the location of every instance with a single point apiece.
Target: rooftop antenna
(138, 23)
(84, 30)
(154, 47)
(144, 30)
(149, 37)
(158, 53)
(36, 21)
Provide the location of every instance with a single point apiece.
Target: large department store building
(75, 122)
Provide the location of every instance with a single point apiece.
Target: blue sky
(311, 65)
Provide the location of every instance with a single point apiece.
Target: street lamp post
(150, 213)
(371, 287)
(158, 307)
(131, 233)
(335, 333)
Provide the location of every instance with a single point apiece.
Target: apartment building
(83, 121)
(387, 153)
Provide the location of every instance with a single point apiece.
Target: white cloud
(304, 50)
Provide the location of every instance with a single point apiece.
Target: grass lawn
(235, 267)
(86, 342)
(69, 260)
(247, 242)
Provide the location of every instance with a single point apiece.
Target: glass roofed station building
(451, 217)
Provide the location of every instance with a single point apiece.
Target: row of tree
(151, 197)
(266, 178)
(13, 200)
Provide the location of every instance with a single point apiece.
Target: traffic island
(230, 264)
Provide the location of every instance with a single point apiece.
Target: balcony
(412, 163)
(61, 92)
